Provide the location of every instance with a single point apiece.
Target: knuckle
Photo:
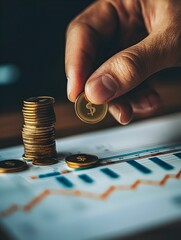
(131, 67)
(172, 41)
(74, 24)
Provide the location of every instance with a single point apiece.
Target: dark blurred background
(32, 45)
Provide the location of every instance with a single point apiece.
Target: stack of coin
(39, 130)
(81, 160)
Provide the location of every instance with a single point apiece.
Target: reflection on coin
(89, 112)
(81, 160)
(12, 165)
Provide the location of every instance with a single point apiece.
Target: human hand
(148, 35)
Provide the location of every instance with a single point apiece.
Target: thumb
(128, 68)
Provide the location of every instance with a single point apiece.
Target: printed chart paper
(136, 186)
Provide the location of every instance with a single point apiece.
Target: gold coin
(45, 161)
(38, 133)
(39, 129)
(38, 140)
(39, 117)
(39, 100)
(34, 129)
(27, 158)
(38, 114)
(35, 107)
(37, 111)
(28, 113)
(42, 152)
(39, 150)
(39, 124)
(38, 156)
(80, 167)
(35, 143)
(89, 112)
(38, 146)
(81, 164)
(41, 155)
(12, 165)
(81, 160)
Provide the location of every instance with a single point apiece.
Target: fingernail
(68, 87)
(124, 120)
(121, 117)
(101, 89)
(115, 112)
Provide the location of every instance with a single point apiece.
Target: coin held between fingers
(89, 112)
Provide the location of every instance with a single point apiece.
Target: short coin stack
(39, 130)
(81, 160)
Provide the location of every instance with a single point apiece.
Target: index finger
(84, 35)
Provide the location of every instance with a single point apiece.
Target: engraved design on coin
(12, 166)
(81, 158)
(9, 163)
(91, 108)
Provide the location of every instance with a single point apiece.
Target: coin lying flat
(45, 161)
(12, 165)
(81, 160)
(89, 112)
(39, 100)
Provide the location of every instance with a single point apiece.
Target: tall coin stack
(39, 130)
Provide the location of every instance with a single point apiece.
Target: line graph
(85, 194)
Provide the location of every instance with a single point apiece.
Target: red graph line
(79, 193)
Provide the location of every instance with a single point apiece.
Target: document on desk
(136, 186)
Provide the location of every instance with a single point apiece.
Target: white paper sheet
(136, 186)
